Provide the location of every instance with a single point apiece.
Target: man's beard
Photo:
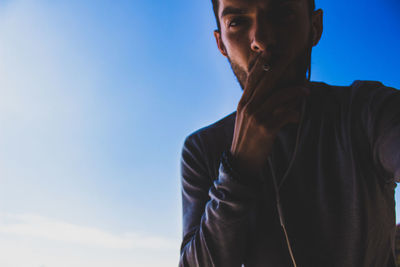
(295, 75)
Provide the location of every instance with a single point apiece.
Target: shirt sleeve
(381, 117)
(215, 211)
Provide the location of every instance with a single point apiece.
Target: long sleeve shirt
(338, 197)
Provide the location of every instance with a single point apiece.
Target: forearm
(389, 153)
(220, 237)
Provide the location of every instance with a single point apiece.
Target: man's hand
(261, 113)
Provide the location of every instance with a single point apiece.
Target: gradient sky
(96, 98)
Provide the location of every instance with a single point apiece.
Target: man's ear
(220, 44)
(317, 26)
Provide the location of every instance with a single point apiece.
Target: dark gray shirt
(338, 197)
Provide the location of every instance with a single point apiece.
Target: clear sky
(96, 98)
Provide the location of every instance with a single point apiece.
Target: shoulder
(358, 93)
(217, 131)
(356, 86)
(373, 90)
(205, 146)
(373, 98)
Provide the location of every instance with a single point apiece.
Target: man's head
(283, 32)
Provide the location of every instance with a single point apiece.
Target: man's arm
(214, 225)
(381, 117)
(387, 143)
(215, 213)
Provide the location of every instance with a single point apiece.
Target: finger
(277, 100)
(253, 78)
(292, 105)
(276, 122)
(268, 115)
(257, 76)
(268, 82)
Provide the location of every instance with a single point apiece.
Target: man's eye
(235, 22)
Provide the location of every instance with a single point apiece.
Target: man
(303, 173)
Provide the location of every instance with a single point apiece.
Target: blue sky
(96, 98)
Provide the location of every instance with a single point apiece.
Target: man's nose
(262, 36)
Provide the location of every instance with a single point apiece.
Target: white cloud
(29, 240)
(29, 225)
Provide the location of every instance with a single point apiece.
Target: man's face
(280, 31)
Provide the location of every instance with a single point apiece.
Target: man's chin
(240, 74)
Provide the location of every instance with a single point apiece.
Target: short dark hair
(215, 4)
